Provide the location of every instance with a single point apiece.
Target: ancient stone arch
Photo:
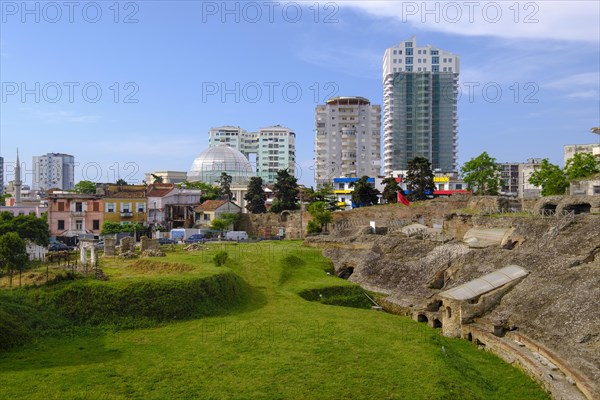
(84, 246)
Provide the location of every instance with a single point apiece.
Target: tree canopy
(482, 175)
(13, 252)
(121, 182)
(322, 216)
(551, 178)
(225, 186)
(111, 228)
(255, 196)
(419, 179)
(209, 192)
(364, 194)
(26, 226)
(285, 191)
(581, 165)
(85, 187)
(390, 191)
(157, 179)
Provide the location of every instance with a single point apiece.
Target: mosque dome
(209, 165)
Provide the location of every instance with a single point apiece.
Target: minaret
(17, 181)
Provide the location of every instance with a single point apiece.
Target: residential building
(586, 187)
(53, 171)
(74, 214)
(515, 178)
(344, 186)
(125, 204)
(420, 106)
(166, 176)
(270, 149)
(171, 207)
(572, 149)
(206, 212)
(348, 139)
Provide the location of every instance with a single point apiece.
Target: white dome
(209, 165)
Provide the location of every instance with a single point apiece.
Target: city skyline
(180, 96)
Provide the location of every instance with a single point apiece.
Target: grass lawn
(273, 345)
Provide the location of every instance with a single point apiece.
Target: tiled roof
(160, 189)
(210, 205)
(127, 195)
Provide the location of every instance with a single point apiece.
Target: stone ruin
(110, 245)
(127, 249)
(149, 244)
(84, 246)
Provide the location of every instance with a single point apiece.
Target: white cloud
(560, 20)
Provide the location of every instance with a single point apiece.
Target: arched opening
(583, 208)
(470, 337)
(448, 312)
(479, 343)
(548, 209)
(434, 306)
(283, 217)
(422, 318)
(437, 323)
(345, 272)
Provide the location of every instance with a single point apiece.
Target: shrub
(220, 258)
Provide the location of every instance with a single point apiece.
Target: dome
(209, 165)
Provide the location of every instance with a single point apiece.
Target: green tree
(482, 175)
(285, 191)
(111, 228)
(322, 216)
(225, 186)
(391, 189)
(13, 253)
(255, 196)
(28, 227)
(121, 182)
(551, 178)
(3, 198)
(209, 192)
(219, 224)
(419, 178)
(364, 194)
(581, 165)
(86, 187)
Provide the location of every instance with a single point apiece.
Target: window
(435, 52)
(408, 44)
(435, 68)
(206, 217)
(409, 60)
(61, 206)
(96, 224)
(409, 68)
(126, 207)
(78, 206)
(395, 51)
(435, 60)
(78, 224)
(61, 224)
(95, 206)
(409, 52)
(596, 189)
(141, 207)
(110, 207)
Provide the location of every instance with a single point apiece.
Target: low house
(206, 212)
(73, 214)
(125, 204)
(586, 186)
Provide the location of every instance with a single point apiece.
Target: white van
(236, 235)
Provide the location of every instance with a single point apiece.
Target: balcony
(77, 213)
(126, 214)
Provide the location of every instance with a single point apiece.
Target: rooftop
(485, 284)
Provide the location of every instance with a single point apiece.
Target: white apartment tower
(420, 100)
(348, 139)
(53, 171)
(270, 149)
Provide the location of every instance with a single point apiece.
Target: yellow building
(125, 204)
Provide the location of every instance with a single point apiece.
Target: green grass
(262, 341)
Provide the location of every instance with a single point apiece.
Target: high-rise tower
(420, 106)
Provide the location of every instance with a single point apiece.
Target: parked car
(100, 245)
(166, 241)
(59, 247)
(196, 238)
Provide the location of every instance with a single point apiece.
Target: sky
(133, 87)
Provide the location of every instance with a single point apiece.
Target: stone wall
(268, 224)
(149, 244)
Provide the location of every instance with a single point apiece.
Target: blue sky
(172, 56)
